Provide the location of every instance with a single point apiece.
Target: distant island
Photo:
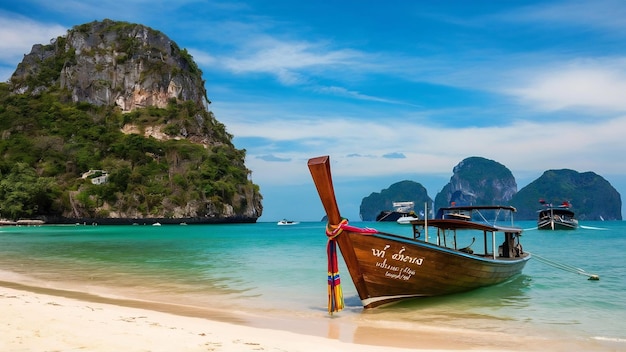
(480, 181)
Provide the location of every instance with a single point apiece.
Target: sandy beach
(33, 320)
(41, 322)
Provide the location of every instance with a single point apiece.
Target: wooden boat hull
(387, 268)
(557, 225)
(557, 219)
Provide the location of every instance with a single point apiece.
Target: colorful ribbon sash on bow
(335, 293)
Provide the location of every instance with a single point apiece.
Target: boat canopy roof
(471, 218)
(452, 224)
(467, 212)
(556, 210)
(480, 207)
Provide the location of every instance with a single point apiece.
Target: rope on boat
(565, 267)
(335, 292)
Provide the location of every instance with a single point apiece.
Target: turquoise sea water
(281, 271)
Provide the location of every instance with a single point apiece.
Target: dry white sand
(39, 322)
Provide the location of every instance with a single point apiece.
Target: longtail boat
(386, 268)
(556, 218)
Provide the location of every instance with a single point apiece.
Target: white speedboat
(406, 220)
(284, 222)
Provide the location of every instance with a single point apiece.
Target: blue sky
(391, 90)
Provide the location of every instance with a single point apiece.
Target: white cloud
(529, 147)
(287, 60)
(598, 86)
(343, 92)
(202, 58)
(601, 14)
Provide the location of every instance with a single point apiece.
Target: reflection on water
(485, 308)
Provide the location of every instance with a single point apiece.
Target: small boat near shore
(401, 210)
(406, 220)
(556, 218)
(386, 268)
(285, 222)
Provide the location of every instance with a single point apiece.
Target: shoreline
(36, 316)
(55, 220)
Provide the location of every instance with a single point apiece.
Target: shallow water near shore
(280, 271)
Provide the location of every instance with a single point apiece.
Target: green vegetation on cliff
(592, 197)
(48, 143)
(110, 122)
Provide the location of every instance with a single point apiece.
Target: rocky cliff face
(113, 63)
(125, 99)
(478, 181)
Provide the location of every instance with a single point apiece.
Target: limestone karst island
(110, 124)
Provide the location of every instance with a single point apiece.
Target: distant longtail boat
(556, 218)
